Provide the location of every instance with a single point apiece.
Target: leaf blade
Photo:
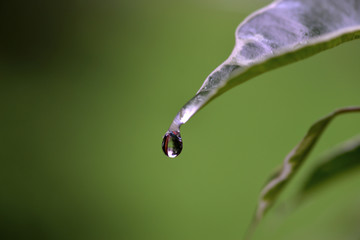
(257, 50)
(345, 159)
(292, 162)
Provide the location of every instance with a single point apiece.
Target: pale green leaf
(281, 33)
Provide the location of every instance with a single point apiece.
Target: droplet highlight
(172, 144)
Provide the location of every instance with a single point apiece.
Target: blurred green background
(87, 90)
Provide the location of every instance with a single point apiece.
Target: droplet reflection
(172, 144)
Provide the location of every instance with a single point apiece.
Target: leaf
(281, 33)
(275, 185)
(344, 160)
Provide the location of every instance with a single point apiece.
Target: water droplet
(172, 144)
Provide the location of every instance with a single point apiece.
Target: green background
(87, 90)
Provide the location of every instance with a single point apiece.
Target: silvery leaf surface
(281, 33)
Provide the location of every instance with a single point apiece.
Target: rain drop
(172, 144)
